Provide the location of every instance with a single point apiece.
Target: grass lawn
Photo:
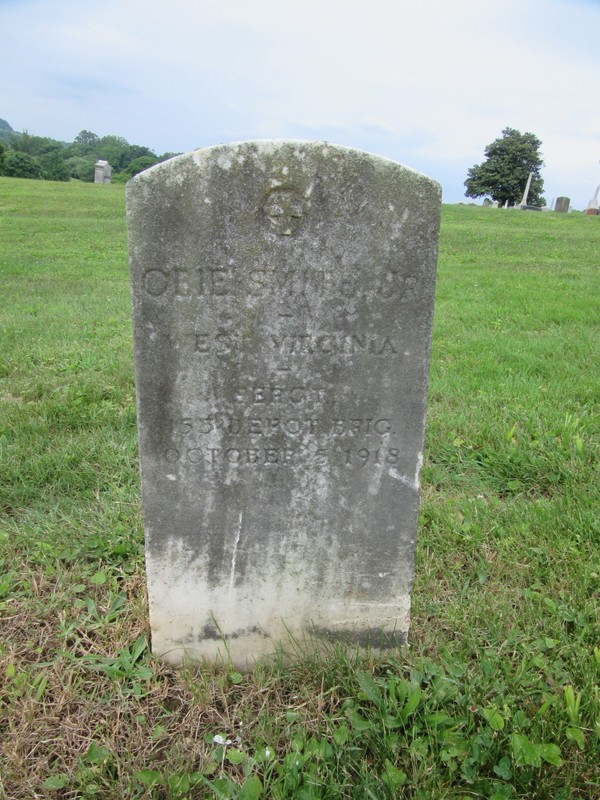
(498, 695)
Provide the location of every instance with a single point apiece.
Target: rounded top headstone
(282, 303)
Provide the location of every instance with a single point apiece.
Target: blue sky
(427, 83)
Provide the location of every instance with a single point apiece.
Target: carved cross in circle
(285, 210)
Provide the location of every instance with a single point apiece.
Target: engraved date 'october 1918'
(281, 456)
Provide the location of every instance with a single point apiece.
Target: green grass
(497, 696)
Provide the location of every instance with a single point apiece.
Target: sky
(427, 83)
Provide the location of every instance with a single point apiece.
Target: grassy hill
(497, 696)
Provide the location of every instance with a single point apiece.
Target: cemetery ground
(497, 695)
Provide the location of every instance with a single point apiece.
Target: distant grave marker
(562, 205)
(592, 206)
(523, 203)
(102, 172)
(282, 305)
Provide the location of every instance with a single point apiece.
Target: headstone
(495, 204)
(523, 202)
(282, 306)
(102, 172)
(562, 205)
(486, 202)
(592, 206)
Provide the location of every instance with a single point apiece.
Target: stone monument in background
(282, 306)
(562, 205)
(523, 203)
(592, 206)
(102, 172)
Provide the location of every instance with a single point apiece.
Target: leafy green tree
(22, 165)
(54, 167)
(166, 156)
(84, 146)
(87, 140)
(139, 151)
(115, 150)
(82, 167)
(503, 176)
(119, 153)
(2, 157)
(34, 145)
(139, 165)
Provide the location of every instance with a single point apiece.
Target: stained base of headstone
(282, 305)
(256, 630)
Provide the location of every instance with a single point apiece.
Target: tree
(166, 156)
(81, 167)
(54, 167)
(139, 151)
(34, 145)
(86, 139)
(139, 165)
(115, 150)
(504, 175)
(21, 165)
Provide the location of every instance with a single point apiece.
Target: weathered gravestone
(562, 205)
(523, 203)
(102, 172)
(592, 206)
(282, 304)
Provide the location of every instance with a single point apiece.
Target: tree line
(502, 176)
(23, 155)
